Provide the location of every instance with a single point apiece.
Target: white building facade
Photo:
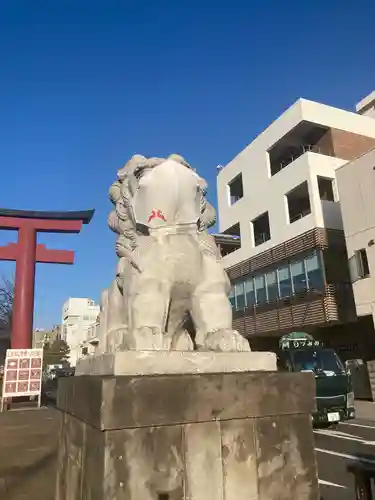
(91, 343)
(266, 187)
(356, 183)
(356, 187)
(78, 317)
(279, 197)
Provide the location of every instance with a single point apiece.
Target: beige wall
(356, 186)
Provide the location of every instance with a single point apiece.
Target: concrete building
(91, 342)
(41, 337)
(279, 197)
(77, 317)
(356, 187)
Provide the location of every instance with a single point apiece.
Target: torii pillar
(26, 253)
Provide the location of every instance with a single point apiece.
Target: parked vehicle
(334, 388)
(51, 381)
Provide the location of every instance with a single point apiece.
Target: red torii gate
(27, 252)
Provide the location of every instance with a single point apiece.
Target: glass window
(319, 360)
(326, 189)
(363, 267)
(272, 287)
(250, 292)
(260, 289)
(284, 281)
(240, 296)
(358, 265)
(314, 272)
(231, 298)
(298, 276)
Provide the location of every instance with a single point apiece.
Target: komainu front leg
(225, 340)
(148, 309)
(212, 312)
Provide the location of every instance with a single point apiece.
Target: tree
(56, 353)
(6, 306)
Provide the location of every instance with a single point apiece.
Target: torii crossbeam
(27, 252)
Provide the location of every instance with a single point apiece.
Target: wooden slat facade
(315, 238)
(301, 311)
(333, 305)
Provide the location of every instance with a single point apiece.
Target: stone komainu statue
(170, 291)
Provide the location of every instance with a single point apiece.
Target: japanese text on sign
(23, 372)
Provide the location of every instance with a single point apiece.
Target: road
(335, 448)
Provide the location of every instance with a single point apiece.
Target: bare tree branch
(6, 304)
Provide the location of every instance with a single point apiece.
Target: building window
(261, 229)
(232, 298)
(325, 187)
(228, 246)
(363, 263)
(250, 292)
(358, 265)
(314, 272)
(240, 295)
(285, 282)
(260, 289)
(288, 279)
(234, 231)
(298, 200)
(298, 276)
(272, 286)
(235, 189)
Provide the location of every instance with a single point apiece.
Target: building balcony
(306, 137)
(295, 153)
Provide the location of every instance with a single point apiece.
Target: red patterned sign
(23, 372)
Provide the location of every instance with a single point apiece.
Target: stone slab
(175, 362)
(145, 401)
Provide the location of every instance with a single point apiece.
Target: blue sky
(84, 85)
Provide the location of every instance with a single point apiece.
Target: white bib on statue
(168, 195)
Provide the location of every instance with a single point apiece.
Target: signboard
(299, 343)
(23, 373)
(298, 340)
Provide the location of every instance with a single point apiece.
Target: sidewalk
(365, 410)
(28, 451)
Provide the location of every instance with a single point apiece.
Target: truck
(300, 352)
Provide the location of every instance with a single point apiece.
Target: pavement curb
(365, 410)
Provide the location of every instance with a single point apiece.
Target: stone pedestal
(175, 362)
(207, 436)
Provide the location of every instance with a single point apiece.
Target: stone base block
(175, 362)
(229, 436)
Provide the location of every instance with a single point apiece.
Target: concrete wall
(263, 192)
(367, 105)
(356, 185)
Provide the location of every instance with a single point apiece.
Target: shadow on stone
(18, 477)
